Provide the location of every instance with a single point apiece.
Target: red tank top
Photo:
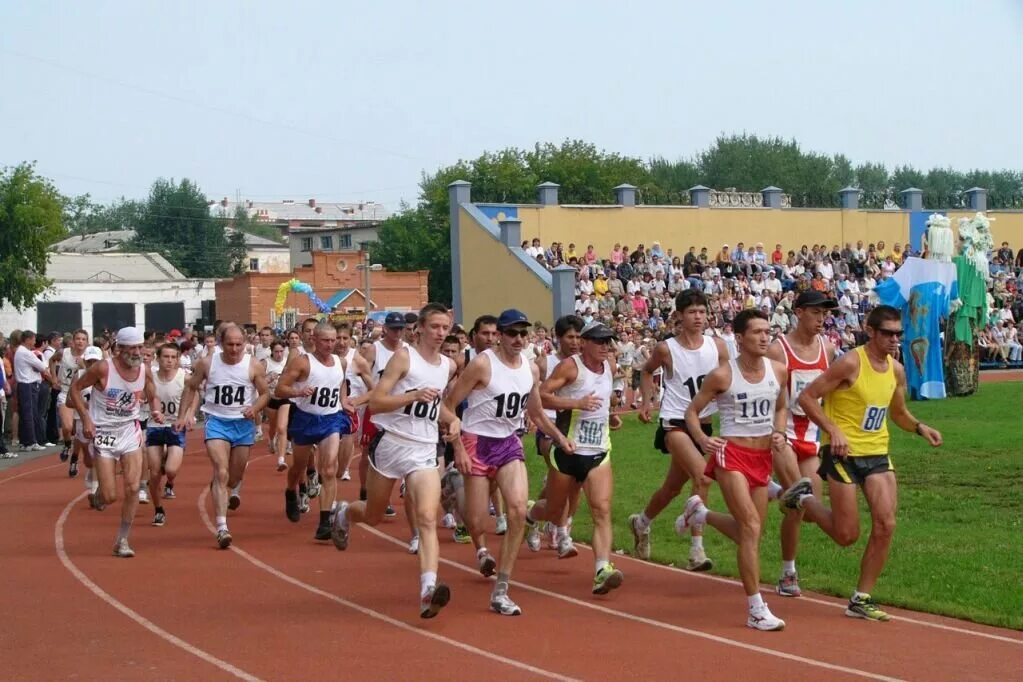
(801, 374)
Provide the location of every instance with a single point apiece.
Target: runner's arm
(715, 383)
(842, 373)
(380, 399)
(190, 396)
(262, 390)
(155, 411)
(564, 374)
(660, 357)
(293, 371)
(534, 410)
(469, 379)
(781, 412)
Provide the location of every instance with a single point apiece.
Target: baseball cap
(395, 320)
(129, 336)
(92, 353)
(173, 333)
(597, 331)
(814, 299)
(511, 317)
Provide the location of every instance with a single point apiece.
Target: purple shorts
(490, 454)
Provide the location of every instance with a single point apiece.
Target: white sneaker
(143, 496)
(502, 604)
(47, 445)
(123, 550)
(282, 464)
(761, 618)
(37, 447)
(501, 525)
(694, 506)
(347, 477)
(447, 521)
(413, 545)
(566, 548)
(640, 538)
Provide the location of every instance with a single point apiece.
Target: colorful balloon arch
(299, 287)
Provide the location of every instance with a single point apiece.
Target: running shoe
(436, 598)
(47, 444)
(389, 512)
(533, 536)
(303, 502)
(323, 531)
(761, 618)
(346, 476)
(461, 535)
(234, 501)
(566, 548)
(159, 518)
(698, 561)
(65, 453)
(413, 545)
(792, 498)
(447, 521)
(865, 608)
(502, 604)
(8, 454)
(788, 585)
(313, 485)
(487, 564)
(168, 492)
(143, 495)
(36, 448)
(291, 509)
(607, 579)
(123, 550)
(501, 525)
(224, 538)
(694, 506)
(339, 529)
(401, 490)
(551, 533)
(282, 465)
(95, 502)
(640, 538)
(72, 469)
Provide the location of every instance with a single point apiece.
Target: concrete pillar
(699, 196)
(912, 199)
(772, 196)
(511, 232)
(625, 195)
(563, 288)
(140, 315)
(976, 198)
(459, 192)
(849, 198)
(547, 193)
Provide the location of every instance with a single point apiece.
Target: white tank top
(382, 357)
(262, 352)
(747, 409)
(169, 395)
(688, 369)
(273, 372)
(356, 386)
(552, 361)
(86, 394)
(417, 421)
(68, 369)
(497, 410)
(229, 389)
(326, 381)
(118, 403)
(588, 428)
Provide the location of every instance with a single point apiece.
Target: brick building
(249, 298)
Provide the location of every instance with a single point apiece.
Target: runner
(798, 458)
(82, 451)
(580, 390)
(751, 405)
(315, 384)
(66, 366)
(148, 360)
(233, 379)
(406, 407)
(273, 366)
(358, 375)
(165, 446)
(110, 422)
(501, 385)
(860, 390)
(686, 358)
(264, 349)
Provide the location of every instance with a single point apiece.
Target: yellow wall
(494, 280)
(679, 228)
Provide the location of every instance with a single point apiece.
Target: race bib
(590, 432)
(800, 379)
(754, 411)
(874, 418)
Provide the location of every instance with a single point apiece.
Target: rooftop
(116, 240)
(110, 267)
(309, 210)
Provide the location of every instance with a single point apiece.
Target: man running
(751, 406)
(501, 386)
(686, 359)
(358, 381)
(165, 445)
(800, 452)
(110, 422)
(580, 390)
(235, 392)
(406, 405)
(860, 391)
(82, 449)
(315, 385)
(66, 365)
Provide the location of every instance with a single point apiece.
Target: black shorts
(577, 466)
(277, 403)
(660, 442)
(852, 470)
(636, 374)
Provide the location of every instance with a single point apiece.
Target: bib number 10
(873, 418)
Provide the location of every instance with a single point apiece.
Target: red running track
(280, 605)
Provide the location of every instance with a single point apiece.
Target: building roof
(111, 267)
(309, 210)
(341, 296)
(97, 242)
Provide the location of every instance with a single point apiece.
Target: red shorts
(804, 449)
(752, 463)
(369, 429)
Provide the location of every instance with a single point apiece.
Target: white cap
(129, 336)
(92, 353)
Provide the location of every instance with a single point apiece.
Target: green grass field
(958, 547)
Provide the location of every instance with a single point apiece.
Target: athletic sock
(600, 564)
(788, 567)
(755, 601)
(773, 490)
(324, 518)
(501, 587)
(804, 497)
(334, 506)
(696, 542)
(480, 552)
(221, 523)
(643, 521)
(562, 532)
(426, 581)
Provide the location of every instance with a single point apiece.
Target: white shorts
(396, 457)
(115, 443)
(62, 399)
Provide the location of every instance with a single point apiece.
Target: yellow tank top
(861, 411)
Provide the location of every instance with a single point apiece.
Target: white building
(100, 291)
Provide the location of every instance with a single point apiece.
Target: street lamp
(366, 268)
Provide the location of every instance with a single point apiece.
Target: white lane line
(376, 614)
(657, 623)
(29, 473)
(732, 581)
(58, 541)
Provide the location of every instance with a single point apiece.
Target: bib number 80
(874, 418)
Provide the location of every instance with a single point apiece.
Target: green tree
(412, 240)
(176, 222)
(30, 220)
(237, 252)
(84, 216)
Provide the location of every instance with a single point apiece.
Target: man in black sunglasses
(861, 390)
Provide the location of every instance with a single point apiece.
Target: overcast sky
(352, 101)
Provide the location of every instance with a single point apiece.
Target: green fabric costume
(962, 359)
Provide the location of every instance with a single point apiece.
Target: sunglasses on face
(891, 333)
(516, 332)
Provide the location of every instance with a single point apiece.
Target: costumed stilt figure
(962, 357)
(924, 290)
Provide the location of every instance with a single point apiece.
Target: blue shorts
(165, 436)
(237, 432)
(309, 429)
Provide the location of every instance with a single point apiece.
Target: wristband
(917, 428)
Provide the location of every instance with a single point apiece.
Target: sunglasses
(516, 332)
(891, 333)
